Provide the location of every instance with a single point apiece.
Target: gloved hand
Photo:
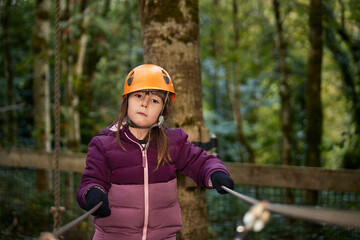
(219, 179)
(93, 197)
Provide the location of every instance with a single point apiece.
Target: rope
(315, 214)
(57, 219)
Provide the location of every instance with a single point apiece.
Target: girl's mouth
(142, 114)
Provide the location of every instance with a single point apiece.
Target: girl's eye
(155, 101)
(138, 95)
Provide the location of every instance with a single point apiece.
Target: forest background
(258, 89)
(114, 46)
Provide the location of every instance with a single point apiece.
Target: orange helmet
(148, 77)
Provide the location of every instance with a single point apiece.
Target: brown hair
(156, 133)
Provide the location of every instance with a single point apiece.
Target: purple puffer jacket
(143, 201)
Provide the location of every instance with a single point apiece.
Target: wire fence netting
(25, 213)
(225, 212)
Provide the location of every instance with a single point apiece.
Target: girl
(131, 166)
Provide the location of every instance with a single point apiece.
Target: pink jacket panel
(127, 212)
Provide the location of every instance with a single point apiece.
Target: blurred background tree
(240, 74)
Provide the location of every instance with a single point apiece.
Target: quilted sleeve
(97, 171)
(195, 162)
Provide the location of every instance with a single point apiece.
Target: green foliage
(260, 77)
(258, 86)
(114, 48)
(354, 8)
(20, 14)
(25, 212)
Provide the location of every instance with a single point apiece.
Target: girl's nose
(145, 101)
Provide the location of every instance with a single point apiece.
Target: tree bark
(314, 116)
(171, 39)
(41, 87)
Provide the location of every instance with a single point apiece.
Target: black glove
(219, 179)
(93, 197)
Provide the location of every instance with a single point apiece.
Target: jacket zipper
(146, 193)
(146, 187)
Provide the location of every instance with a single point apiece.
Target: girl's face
(144, 108)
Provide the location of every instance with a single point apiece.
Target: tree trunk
(41, 87)
(65, 43)
(285, 113)
(353, 45)
(314, 115)
(93, 55)
(171, 39)
(215, 52)
(350, 80)
(10, 126)
(73, 72)
(75, 63)
(284, 89)
(234, 89)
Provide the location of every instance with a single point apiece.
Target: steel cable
(60, 231)
(342, 218)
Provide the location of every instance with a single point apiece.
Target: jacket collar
(111, 131)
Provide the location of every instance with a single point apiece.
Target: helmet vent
(130, 79)
(167, 80)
